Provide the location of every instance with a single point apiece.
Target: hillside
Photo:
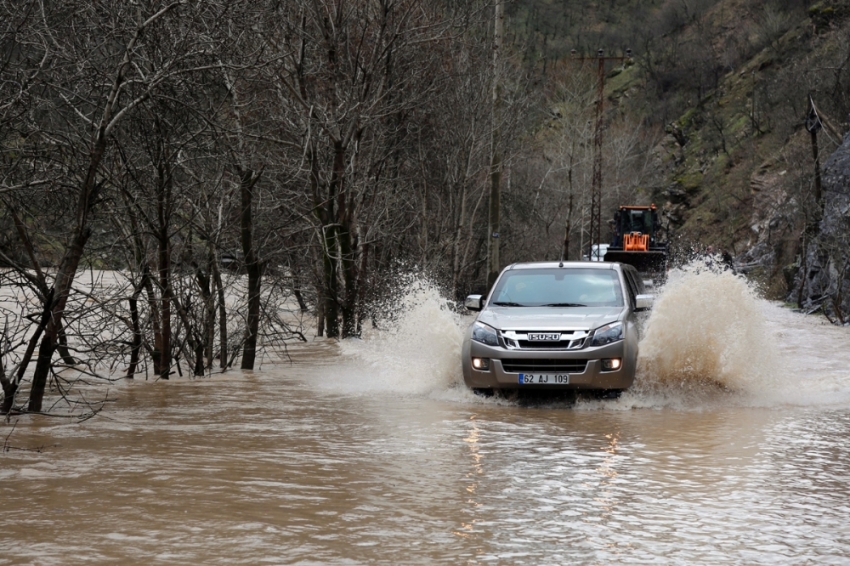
(728, 82)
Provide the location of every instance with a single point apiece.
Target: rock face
(823, 277)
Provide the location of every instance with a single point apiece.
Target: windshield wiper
(564, 305)
(507, 304)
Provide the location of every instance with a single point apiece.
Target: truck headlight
(607, 334)
(484, 334)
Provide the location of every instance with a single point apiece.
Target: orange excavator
(636, 240)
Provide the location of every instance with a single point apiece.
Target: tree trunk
(10, 387)
(209, 324)
(337, 247)
(320, 311)
(565, 250)
(164, 253)
(456, 240)
(200, 369)
(4, 381)
(302, 306)
(42, 368)
(363, 287)
(61, 290)
(62, 348)
(348, 257)
(136, 345)
(153, 304)
(252, 265)
(331, 283)
(296, 288)
(323, 211)
(207, 334)
(249, 352)
(222, 315)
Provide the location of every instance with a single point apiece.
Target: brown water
(371, 452)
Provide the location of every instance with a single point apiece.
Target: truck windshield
(558, 287)
(638, 221)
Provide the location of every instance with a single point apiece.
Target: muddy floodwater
(731, 448)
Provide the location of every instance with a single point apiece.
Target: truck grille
(545, 365)
(560, 345)
(568, 340)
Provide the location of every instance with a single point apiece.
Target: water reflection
(468, 530)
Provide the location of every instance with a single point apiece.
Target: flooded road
(371, 452)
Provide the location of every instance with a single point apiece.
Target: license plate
(544, 378)
(543, 337)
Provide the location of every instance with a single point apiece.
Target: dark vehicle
(637, 241)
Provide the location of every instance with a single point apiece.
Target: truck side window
(630, 283)
(639, 287)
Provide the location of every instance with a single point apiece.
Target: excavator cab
(635, 240)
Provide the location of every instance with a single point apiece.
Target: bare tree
(78, 118)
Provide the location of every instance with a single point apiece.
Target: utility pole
(493, 265)
(596, 182)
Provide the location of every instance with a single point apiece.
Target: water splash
(707, 337)
(710, 341)
(417, 348)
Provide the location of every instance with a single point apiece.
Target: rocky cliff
(822, 276)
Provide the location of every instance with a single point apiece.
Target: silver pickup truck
(556, 326)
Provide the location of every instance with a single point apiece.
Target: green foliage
(690, 180)
(828, 12)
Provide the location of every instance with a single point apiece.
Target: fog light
(481, 364)
(612, 364)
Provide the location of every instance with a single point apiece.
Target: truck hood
(549, 318)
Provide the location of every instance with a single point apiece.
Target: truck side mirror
(644, 302)
(473, 302)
